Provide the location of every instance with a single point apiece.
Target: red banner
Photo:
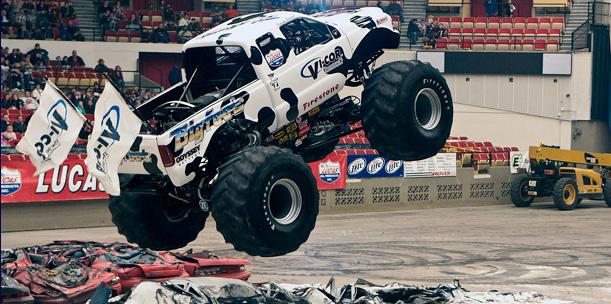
(70, 181)
(330, 173)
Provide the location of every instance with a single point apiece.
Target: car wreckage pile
(70, 271)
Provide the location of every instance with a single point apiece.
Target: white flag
(52, 130)
(114, 131)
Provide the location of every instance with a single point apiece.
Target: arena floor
(565, 255)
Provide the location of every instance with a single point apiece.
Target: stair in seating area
(248, 6)
(87, 15)
(412, 9)
(578, 15)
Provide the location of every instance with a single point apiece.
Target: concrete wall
(593, 136)
(114, 53)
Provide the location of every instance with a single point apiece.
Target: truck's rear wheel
(407, 110)
(265, 201)
(565, 193)
(519, 191)
(153, 219)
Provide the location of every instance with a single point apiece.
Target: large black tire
(565, 193)
(319, 152)
(153, 220)
(265, 201)
(607, 192)
(407, 110)
(519, 191)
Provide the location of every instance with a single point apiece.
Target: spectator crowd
(39, 20)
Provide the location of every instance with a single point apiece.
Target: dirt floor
(565, 255)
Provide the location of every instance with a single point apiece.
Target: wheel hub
(284, 203)
(427, 109)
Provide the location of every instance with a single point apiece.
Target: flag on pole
(52, 130)
(114, 131)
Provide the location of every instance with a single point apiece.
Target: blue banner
(373, 165)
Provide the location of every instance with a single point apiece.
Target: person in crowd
(231, 12)
(81, 107)
(380, 5)
(133, 24)
(15, 57)
(13, 102)
(160, 34)
(38, 54)
(184, 35)
(76, 60)
(28, 102)
(413, 31)
(491, 9)
(8, 136)
(37, 92)
(96, 88)
(168, 13)
(89, 105)
(174, 76)
(101, 67)
(395, 9)
(5, 122)
(117, 77)
(65, 62)
(183, 22)
(26, 73)
(16, 80)
(19, 124)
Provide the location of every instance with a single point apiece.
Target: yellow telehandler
(567, 175)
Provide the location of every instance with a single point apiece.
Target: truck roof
(243, 29)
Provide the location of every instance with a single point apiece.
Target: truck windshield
(219, 70)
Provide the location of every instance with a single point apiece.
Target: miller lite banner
(68, 181)
(373, 165)
(330, 172)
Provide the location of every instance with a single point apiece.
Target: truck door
(306, 64)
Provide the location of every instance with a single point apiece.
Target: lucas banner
(373, 165)
(68, 181)
(330, 173)
(442, 164)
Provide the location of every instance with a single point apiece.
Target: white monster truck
(260, 96)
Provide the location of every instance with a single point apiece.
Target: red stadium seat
(503, 44)
(542, 33)
(517, 33)
(454, 32)
(455, 22)
(554, 33)
(468, 22)
(478, 44)
(494, 22)
(504, 32)
(5, 158)
(173, 36)
(532, 23)
(123, 36)
(111, 36)
(545, 23)
(492, 33)
(467, 43)
(481, 22)
(540, 45)
(519, 22)
(453, 44)
(506, 22)
(441, 43)
(552, 45)
(467, 32)
(444, 21)
(557, 23)
(479, 33)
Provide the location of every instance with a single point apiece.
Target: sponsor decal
(329, 171)
(393, 166)
(49, 142)
(380, 21)
(363, 22)
(185, 157)
(273, 81)
(321, 97)
(357, 166)
(590, 159)
(375, 165)
(138, 156)
(11, 181)
(194, 132)
(327, 64)
(110, 135)
(274, 58)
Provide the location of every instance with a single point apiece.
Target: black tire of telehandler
(518, 197)
(607, 192)
(563, 187)
(407, 110)
(143, 218)
(249, 201)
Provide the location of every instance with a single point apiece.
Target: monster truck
(260, 98)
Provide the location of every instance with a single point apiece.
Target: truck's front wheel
(407, 110)
(153, 219)
(265, 201)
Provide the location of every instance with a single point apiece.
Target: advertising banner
(442, 164)
(330, 172)
(69, 181)
(517, 160)
(373, 165)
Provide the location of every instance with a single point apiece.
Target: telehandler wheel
(565, 193)
(607, 192)
(153, 219)
(265, 201)
(519, 191)
(407, 110)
